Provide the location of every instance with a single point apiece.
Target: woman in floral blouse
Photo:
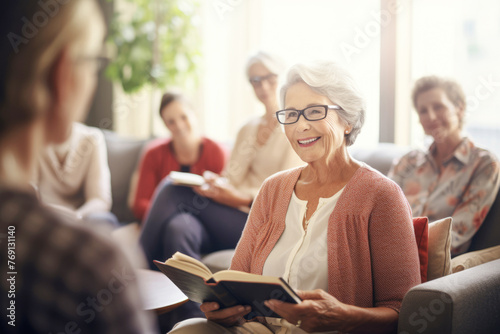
(454, 178)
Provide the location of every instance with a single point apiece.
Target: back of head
(34, 32)
(272, 62)
(334, 82)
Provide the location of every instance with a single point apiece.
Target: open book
(227, 287)
(186, 179)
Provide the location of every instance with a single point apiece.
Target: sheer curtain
(296, 30)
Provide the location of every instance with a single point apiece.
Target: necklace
(307, 221)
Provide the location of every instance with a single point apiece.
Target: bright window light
(297, 30)
(460, 39)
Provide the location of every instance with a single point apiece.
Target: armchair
(464, 302)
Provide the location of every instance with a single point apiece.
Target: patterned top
(57, 277)
(464, 189)
(372, 253)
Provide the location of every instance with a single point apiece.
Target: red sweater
(158, 161)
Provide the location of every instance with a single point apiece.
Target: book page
(186, 179)
(187, 263)
(227, 287)
(241, 276)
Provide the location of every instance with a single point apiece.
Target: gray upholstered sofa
(464, 302)
(123, 158)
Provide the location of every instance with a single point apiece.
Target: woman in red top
(185, 151)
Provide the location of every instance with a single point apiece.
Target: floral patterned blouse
(464, 189)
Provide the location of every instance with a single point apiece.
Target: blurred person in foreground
(61, 277)
(453, 178)
(338, 231)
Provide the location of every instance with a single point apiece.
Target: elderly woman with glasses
(336, 230)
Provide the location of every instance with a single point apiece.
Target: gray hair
(334, 82)
(272, 62)
(451, 87)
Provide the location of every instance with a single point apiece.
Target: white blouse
(300, 256)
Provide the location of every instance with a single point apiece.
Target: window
(460, 39)
(345, 31)
(449, 38)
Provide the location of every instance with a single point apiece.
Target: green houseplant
(156, 43)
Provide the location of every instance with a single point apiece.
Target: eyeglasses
(257, 81)
(312, 113)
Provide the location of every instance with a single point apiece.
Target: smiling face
(178, 119)
(313, 140)
(439, 117)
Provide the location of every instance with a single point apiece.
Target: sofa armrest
(464, 302)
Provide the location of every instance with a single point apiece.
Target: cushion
(439, 249)
(420, 225)
(472, 259)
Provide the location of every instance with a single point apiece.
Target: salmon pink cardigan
(372, 252)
